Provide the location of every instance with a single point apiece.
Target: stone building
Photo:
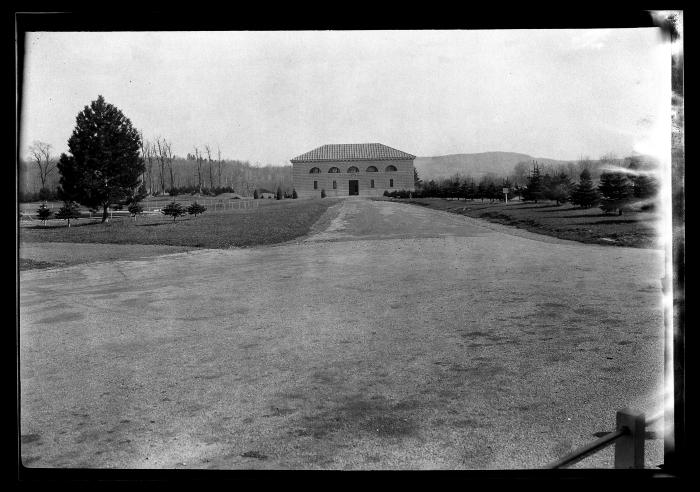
(352, 169)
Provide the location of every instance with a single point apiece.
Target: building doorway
(354, 186)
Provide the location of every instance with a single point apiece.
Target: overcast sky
(269, 96)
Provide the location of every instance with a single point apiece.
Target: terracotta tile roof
(352, 152)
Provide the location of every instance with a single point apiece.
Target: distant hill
(475, 165)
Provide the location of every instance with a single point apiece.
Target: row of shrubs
(194, 190)
(70, 210)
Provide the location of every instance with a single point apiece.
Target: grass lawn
(274, 221)
(633, 229)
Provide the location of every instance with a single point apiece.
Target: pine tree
(255, 195)
(173, 209)
(585, 195)
(44, 213)
(294, 193)
(104, 165)
(196, 209)
(416, 179)
(279, 193)
(533, 190)
(68, 211)
(616, 191)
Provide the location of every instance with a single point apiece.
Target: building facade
(352, 169)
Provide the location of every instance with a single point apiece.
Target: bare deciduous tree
(41, 153)
(218, 150)
(147, 155)
(160, 155)
(198, 158)
(207, 149)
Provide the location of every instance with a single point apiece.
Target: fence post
(629, 448)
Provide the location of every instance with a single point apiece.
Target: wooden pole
(629, 448)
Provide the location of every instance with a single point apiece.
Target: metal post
(629, 448)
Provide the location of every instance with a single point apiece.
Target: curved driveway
(395, 337)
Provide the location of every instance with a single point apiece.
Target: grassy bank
(274, 222)
(633, 229)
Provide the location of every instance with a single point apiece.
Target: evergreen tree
(616, 191)
(135, 209)
(416, 179)
(279, 193)
(294, 193)
(104, 165)
(644, 186)
(44, 213)
(533, 191)
(585, 195)
(173, 209)
(558, 188)
(481, 191)
(491, 191)
(471, 190)
(68, 211)
(255, 195)
(196, 209)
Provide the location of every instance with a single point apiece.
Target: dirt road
(395, 337)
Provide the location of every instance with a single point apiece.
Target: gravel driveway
(396, 337)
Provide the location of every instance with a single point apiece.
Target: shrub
(44, 213)
(68, 211)
(196, 209)
(135, 209)
(174, 210)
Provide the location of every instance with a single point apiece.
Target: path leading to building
(397, 337)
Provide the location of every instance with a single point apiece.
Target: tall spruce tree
(533, 191)
(585, 195)
(616, 191)
(104, 166)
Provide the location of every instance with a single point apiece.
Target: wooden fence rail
(628, 438)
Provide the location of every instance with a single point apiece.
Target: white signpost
(505, 192)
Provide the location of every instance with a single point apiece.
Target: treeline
(168, 174)
(621, 184)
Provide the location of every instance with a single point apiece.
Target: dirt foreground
(397, 337)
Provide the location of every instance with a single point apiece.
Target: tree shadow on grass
(568, 209)
(615, 221)
(63, 226)
(553, 205)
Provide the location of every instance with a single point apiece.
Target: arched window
(353, 169)
(334, 170)
(314, 170)
(390, 169)
(371, 169)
